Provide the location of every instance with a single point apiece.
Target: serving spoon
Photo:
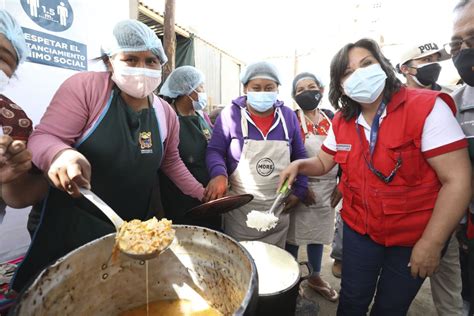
(266, 220)
(117, 221)
(281, 196)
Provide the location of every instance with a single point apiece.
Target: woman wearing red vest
(405, 179)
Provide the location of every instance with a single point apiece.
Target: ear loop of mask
(189, 96)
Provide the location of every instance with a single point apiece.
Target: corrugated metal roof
(155, 21)
(156, 27)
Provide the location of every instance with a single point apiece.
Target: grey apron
(257, 173)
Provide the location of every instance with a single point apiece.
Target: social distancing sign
(55, 51)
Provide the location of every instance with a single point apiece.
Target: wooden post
(133, 7)
(169, 38)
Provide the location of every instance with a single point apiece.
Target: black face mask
(308, 100)
(464, 63)
(429, 74)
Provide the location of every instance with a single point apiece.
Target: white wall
(35, 85)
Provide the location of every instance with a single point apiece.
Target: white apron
(314, 224)
(258, 173)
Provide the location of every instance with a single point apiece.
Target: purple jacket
(222, 159)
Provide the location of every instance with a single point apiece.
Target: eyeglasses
(453, 48)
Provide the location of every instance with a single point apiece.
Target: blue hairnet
(260, 70)
(305, 75)
(133, 36)
(182, 81)
(12, 31)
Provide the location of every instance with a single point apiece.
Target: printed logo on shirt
(207, 134)
(145, 143)
(343, 147)
(265, 167)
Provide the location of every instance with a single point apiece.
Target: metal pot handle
(309, 267)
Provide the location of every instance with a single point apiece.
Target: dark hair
(398, 67)
(105, 59)
(167, 99)
(338, 99)
(461, 4)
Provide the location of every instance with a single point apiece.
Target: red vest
(393, 214)
(470, 226)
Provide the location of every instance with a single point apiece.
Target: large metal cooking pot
(90, 281)
(279, 277)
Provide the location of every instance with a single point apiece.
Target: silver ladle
(117, 221)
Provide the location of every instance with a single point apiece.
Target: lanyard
(374, 131)
(372, 141)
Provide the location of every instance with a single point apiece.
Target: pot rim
(252, 285)
(284, 290)
(290, 257)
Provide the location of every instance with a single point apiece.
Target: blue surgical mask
(365, 84)
(262, 101)
(201, 103)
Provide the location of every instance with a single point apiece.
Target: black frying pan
(219, 206)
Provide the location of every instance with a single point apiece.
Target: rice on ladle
(261, 221)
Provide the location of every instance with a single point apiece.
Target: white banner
(63, 35)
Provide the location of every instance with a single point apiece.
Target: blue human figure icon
(34, 5)
(63, 13)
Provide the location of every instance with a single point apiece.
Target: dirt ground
(421, 306)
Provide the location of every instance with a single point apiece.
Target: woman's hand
(425, 258)
(336, 197)
(69, 171)
(289, 173)
(310, 198)
(15, 159)
(216, 188)
(291, 202)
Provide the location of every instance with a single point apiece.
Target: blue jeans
(368, 266)
(336, 252)
(315, 255)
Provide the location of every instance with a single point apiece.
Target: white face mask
(365, 84)
(136, 82)
(4, 80)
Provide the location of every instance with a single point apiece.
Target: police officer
(461, 48)
(419, 65)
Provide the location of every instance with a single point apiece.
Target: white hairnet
(260, 70)
(12, 31)
(305, 75)
(133, 36)
(182, 81)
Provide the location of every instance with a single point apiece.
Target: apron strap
(327, 118)
(91, 130)
(303, 122)
(245, 119)
(283, 123)
(158, 105)
(244, 123)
